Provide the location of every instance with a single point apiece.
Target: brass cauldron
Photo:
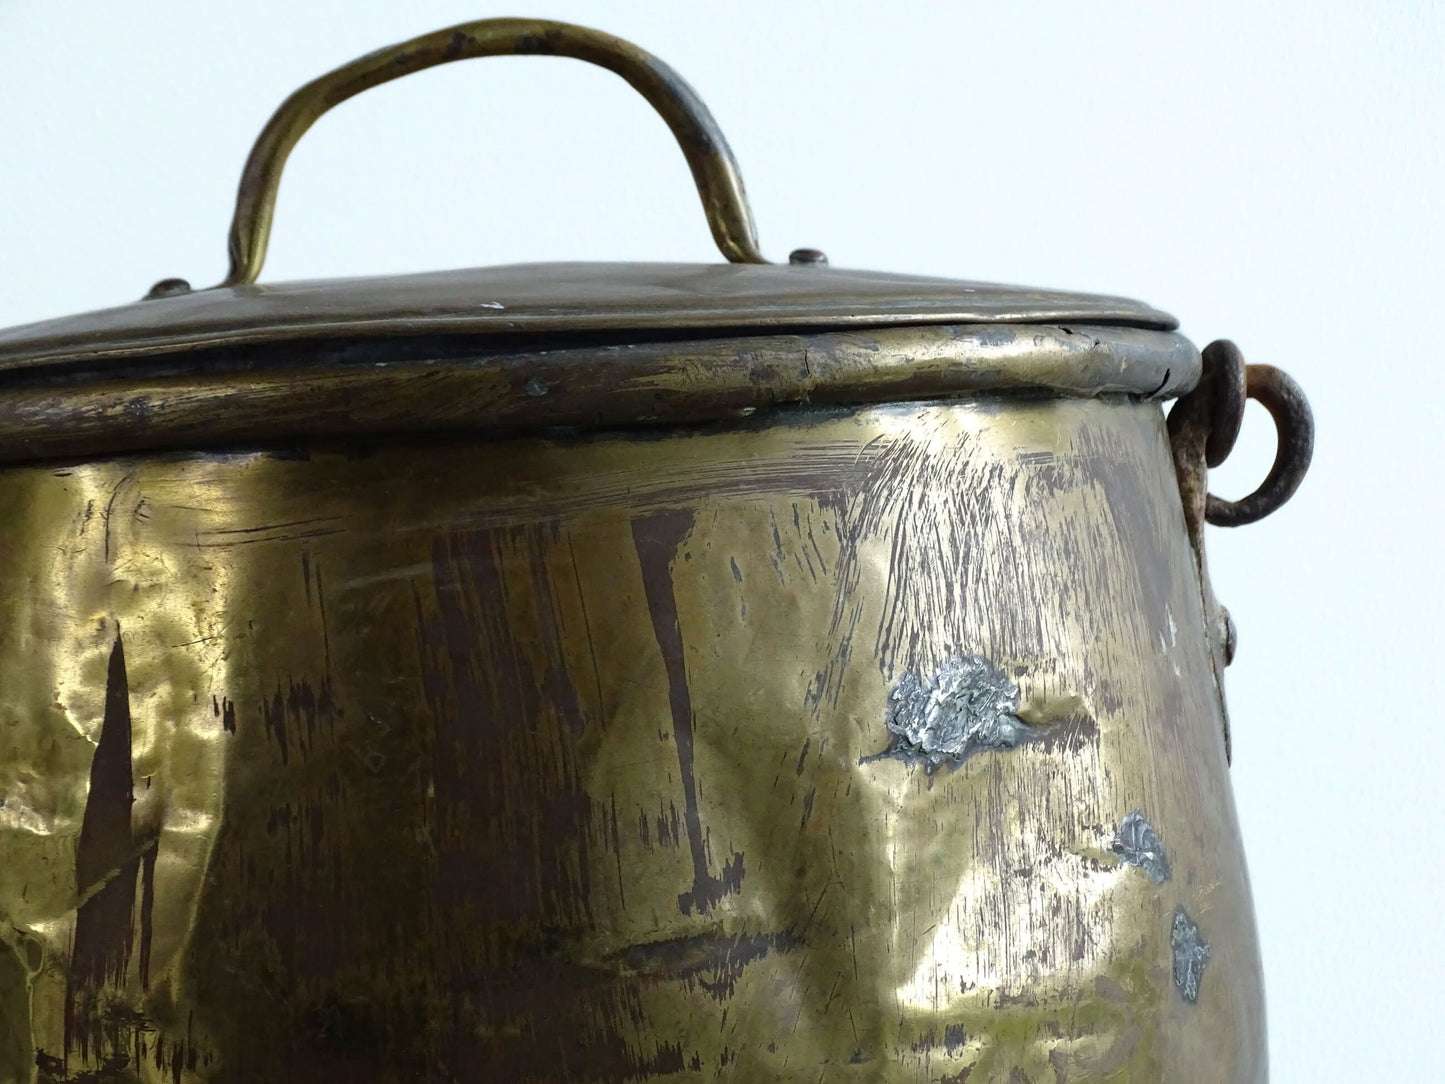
(618, 672)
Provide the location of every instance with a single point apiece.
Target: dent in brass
(550, 758)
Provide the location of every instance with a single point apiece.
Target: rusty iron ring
(1214, 413)
(1225, 364)
(1274, 390)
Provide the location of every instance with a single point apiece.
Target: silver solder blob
(1191, 953)
(1138, 844)
(965, 708)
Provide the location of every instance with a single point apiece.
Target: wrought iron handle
(714, 169)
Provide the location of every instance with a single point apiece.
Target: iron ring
(1224, 364)
(1294, 423)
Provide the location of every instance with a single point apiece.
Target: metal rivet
(168, 288)
(805, 257)
(1229, 634)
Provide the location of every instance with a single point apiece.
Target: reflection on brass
(404, 387)
(556, 758)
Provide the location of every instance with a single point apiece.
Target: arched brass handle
(713, 168)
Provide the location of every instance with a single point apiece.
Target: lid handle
(714, 169)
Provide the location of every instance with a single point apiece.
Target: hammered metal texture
(553, 759)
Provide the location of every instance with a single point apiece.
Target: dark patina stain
(712, 962)
(657, 538)
(481, 841)
(109, 859)
(291, 716)
(514, 827)
(225, 710)
(669, 826)
(19, 961)
(955, 1038)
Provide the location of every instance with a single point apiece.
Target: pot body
(801, 748)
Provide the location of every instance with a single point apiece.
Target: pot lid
(540, 300)
(547, 301)
(535, 347)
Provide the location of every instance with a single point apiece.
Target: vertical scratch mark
(617, 855)
(779, 556)
(586, 625)
(147, 911)
(306, 574)
(110, 507)
(325, 631)
(742, 597)
(555, 679)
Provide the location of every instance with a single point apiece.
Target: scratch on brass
(1138, 844)
(965, 708)
(1191, 953)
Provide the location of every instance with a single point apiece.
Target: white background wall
(1268, 172)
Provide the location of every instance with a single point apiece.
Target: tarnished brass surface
(570, 759)
(714, 170)
(496, 305)
(431, 386)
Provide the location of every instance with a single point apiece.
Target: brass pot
(618, 672)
